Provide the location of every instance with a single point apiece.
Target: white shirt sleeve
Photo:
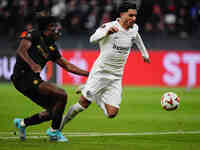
(140, 45)
(99, 34)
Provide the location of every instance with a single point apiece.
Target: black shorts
(27, 83)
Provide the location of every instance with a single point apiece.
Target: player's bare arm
(71, 68)
(22, 51)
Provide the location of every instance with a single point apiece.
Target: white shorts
(101, 88)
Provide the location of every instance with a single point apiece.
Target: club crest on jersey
(51, 48)
(35, 82)
(103, 26)
(133, 40)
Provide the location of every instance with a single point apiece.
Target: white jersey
(115, 48)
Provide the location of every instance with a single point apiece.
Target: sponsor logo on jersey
(120, 48)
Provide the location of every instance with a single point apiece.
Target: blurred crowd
(174, 17)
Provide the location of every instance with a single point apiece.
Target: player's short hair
(42, 12)
(44, 21)
(124, 7)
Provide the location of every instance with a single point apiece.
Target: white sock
(22, 123)
(73, 111)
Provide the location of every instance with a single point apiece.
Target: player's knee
(112, 113)
(63, 96)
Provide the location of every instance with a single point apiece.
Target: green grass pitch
(140, 125)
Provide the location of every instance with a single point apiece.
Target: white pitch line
(16, 137)
(36, 135)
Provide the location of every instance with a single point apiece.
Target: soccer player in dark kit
(34, 51)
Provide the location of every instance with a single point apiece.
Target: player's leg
(44, 102)
(47, 95)
(75, 110)
(24, 86)
(89, 91)
(35, 119)
(109, 101)
(53, 99)
(50, 97)
(109, 110)
(56, 109)
(95, 84)
(22, 124)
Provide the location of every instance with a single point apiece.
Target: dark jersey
(41, 51)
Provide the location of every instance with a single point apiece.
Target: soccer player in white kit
(115, 40)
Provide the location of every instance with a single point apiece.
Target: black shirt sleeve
(32, 36)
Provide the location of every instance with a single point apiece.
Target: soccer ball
(170, 101)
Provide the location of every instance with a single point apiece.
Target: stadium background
(171, 32)
(169, 28)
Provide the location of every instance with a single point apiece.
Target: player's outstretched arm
(140, 44)
(22, 51)
(102, 32)
(70, 67)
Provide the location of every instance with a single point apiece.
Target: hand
(146, 60)
(112, 30)
(36, 68)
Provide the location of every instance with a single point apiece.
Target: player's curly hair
(44, 21)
